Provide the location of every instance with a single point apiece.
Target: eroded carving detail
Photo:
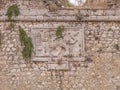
(58, 51)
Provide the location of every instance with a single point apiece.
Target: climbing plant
(27, 44)
(59, 31)
(12, 11)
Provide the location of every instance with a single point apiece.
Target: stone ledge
(43, 15)
(61, 19)
(42, 12)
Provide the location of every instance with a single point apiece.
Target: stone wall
(101, 4)
(99, 38)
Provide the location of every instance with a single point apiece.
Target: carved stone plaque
(58, 52)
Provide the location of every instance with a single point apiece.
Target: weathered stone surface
(63, 66)
(47, 48)
(97, 67)
(101, 4)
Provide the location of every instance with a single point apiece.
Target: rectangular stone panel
(46, 42)
(48, 47)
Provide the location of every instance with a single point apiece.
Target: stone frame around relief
(58, 52)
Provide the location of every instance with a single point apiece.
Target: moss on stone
(12, 11)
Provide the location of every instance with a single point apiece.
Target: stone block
(40, 59)
(77, 59)
(2, 12)
(24, 12)
(114, 18)
(110, 12)
(99, 12)
(102, 18)
(64, 66)
(117, 13)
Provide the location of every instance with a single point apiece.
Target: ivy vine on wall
(27, 44)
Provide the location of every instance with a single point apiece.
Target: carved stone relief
(58, 51)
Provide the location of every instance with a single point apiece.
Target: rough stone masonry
(87, 58)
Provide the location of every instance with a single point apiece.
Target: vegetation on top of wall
(27, 44)
(12, 11)
(59, 31)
